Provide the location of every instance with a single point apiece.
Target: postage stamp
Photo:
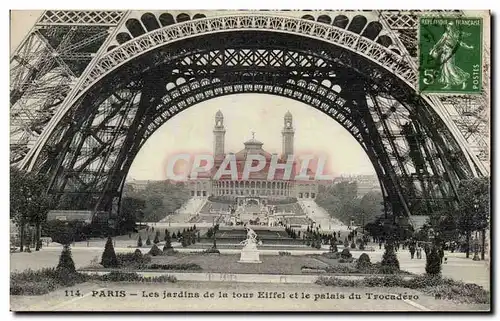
(450, 55)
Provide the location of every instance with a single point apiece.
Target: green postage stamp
(450, 55)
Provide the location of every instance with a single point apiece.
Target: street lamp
(476, 242)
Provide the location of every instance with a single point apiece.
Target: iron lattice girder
(45, 68)
(405, 24)
(108, 173)
(104, 64)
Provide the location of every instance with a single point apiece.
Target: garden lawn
(229, 263)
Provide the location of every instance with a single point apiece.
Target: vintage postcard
(250, 160)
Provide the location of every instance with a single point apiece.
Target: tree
(390, 263)
(60, 232)
(168, 241)
(369, 206)
(183, 240)
(66, 262)
(109, 256)
(363, 262)
(159, 197)
(29, 201)
(155, 251)
(215, 229)
(433, 262)
(130, 212)
(474, 208)
(341, 199)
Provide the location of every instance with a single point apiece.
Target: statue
(249, 253)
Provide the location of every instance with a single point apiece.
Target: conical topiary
(433, 262)
(390, 263)
(148, 241)
(168, 241)
(156, 240)
(66, 262)
(109, 256)
(139, 242)
(155, 251)
(363, 262)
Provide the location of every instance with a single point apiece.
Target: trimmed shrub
(433, 262)
(363, 262)
(331, 255)
(139, 242)
(333, 281)
(168, 241)
(353, 245)
(109, 256)
(157, 239)
(118, 276)
(155, 251)
(66, 261)
(442, 288)
(390, 263)
(168, 251)
(184, 266)
(212, 250)
(148, 241)
(133, 260)
(339, 268)
(384, 281)
(345, 254)
(43, 281)
(284, 253)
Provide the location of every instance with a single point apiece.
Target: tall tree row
(29, 202)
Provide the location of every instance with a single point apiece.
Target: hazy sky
(191, 130)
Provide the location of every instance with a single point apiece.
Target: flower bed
(43, 281)
(47, 280)
(440, 288)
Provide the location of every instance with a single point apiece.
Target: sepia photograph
(250, 161)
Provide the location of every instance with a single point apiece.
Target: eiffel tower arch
(89, 88)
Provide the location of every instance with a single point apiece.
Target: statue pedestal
(249, 255)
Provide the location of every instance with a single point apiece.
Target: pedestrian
(380, 245)
(441, 254)
(419, 252)
(412, 251)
